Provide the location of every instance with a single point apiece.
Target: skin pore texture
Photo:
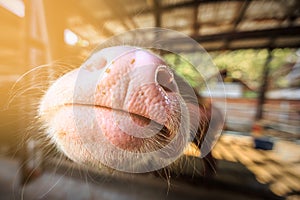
(124, 108)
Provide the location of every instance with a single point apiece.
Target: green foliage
(246, 65)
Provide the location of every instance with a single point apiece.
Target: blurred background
(255, 45)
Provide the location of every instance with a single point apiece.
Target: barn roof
(215, 24)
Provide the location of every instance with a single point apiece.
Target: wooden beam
(241, 14)
(239, 18)
(292, 13)
(276, 32)
(236, 36)
(193, 4)
(185, 4)
(232, 48)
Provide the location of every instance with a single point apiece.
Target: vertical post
(36, 47)
(157, 18)
(263, 88)
(157, 13)
(196, 25)
(35, 52)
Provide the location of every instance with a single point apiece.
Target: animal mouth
(132, 115)
(159, 135)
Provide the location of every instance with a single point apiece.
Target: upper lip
(164, 128)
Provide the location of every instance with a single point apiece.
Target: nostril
(167, 89)
(165, 78)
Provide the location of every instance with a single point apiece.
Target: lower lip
(98, 124)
